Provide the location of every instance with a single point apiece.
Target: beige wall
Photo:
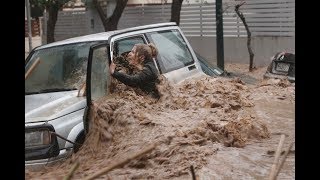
(147, 1)
(235, 48)
(170, 1)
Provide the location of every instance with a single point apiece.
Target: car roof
(104, 36)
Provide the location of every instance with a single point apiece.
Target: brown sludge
(189, 122)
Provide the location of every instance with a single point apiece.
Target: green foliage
(45, 4)
(37, 6)
(36, 11)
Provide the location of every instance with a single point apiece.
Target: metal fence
(274, 18)
(69, 24)
(264, 18)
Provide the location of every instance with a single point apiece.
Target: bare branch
(248, 34)
(283, 159)
(73, 169)
(276, 159)
(102, 15)
(122, 162)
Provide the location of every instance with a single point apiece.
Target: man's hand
(112, 67)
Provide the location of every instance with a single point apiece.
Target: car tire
(80, 140)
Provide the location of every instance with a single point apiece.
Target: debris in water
(188, 122)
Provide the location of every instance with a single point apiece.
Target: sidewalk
(36, 41)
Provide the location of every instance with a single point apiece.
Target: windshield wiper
(57, 90)
(51, 90)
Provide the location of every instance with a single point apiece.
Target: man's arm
(134, 80)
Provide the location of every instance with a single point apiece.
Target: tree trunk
(51, 24)
(111, 23)
(248, 33)
(102, 16)
(175, 11)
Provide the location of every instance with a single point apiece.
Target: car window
(125, 45)
(207, 68)
(173, 51)
(100, 76)
(59, 68)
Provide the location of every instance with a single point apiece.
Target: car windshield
(208, 68)
(58, 68)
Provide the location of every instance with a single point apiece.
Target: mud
(205, 122)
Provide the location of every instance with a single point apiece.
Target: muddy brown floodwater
(225, 127)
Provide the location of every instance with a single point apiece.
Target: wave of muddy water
(215, 124)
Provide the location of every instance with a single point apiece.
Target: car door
(176, 59)
(98, 78)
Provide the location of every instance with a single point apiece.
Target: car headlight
(37, 138)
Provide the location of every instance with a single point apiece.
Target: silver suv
(63, 79)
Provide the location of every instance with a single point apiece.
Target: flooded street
(225, 127)
(254, 161)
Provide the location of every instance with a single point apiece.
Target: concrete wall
(235, 48)
(35, 41)
(268, 33)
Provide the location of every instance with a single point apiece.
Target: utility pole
(29, 24)
(219, 35)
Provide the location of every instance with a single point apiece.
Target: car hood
(49, 106)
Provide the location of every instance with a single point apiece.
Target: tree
(52, 7)
(36, 11)
(110, 23)
(248, 33)
(175, 11)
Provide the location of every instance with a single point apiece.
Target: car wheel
(79, 141)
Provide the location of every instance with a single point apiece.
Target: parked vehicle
(56, 105)
(282, 66)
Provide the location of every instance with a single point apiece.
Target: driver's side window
(121, 49)
(123, 46)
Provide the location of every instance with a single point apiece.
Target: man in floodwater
(147, 77)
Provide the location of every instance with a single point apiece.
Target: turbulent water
(188, 124)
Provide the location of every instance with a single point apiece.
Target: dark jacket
(146, 79)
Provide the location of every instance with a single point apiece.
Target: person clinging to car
(145, 79)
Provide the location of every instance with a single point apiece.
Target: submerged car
(208, 68)
(64, 78)
(282, 66)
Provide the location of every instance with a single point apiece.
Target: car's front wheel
(79, 141)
